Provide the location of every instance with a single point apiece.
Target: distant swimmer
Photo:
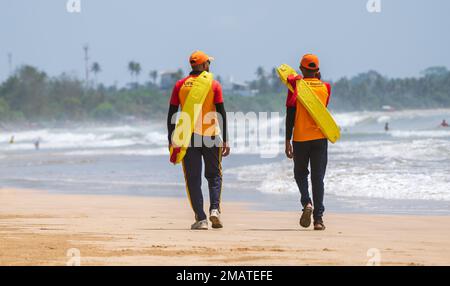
(11, 141)
(386, 127)
(444, 123)
(36, 143)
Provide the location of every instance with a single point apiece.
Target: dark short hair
(308, 71)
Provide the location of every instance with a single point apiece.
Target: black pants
(313, 152)
(192, 167)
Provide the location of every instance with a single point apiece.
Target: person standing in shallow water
(37, 143)
(309, 145)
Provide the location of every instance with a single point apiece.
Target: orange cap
(198, 58)
(310, 62)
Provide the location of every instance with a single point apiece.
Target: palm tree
(153, 75)
(274, 74)
(262, 80)
(276, 83)
(132, 68)
(260, 72)
(137, 70)
(95, 68)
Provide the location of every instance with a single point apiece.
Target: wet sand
(39, 228)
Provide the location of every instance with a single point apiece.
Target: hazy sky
(405, 38)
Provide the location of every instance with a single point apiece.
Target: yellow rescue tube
(190, 112)
(283, 72)
(313, 105)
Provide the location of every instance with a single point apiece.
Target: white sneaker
(200, 225)
(214, 217)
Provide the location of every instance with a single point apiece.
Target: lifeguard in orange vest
(309, 145)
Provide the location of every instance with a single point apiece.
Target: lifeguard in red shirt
(309, 145)
(206, 143)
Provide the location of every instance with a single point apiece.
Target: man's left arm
(174, 104)
(328, 86)
(220, 109)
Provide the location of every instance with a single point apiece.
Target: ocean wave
(352, 119)
(415, 169)
(351, 180)
(126, 152)
(83, 138)
(91, 182)
(410, 124)
(416, 150)
(420, 133)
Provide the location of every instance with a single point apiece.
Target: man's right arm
(328, 86)
(290, 121)
(173, 109)
(291, 103)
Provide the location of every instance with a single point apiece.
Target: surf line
(188, 276)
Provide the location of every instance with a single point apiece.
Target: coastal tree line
(30, 94)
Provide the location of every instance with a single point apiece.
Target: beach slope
(39, 228)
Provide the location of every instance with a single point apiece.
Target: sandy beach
(39, 228)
